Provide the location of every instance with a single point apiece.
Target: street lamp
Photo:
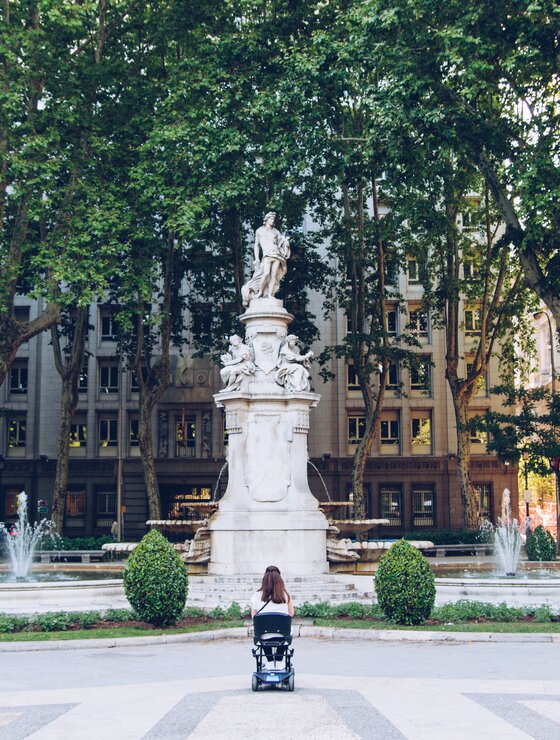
(538, 315)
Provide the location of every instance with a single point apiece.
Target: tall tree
(472, 284)
(69, 362)
(55, 234)
(483, 77)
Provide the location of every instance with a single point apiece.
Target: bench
(477, 548)
(82, 556)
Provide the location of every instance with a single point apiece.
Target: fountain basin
(210, 591)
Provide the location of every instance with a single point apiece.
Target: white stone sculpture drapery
(269, 269)
(238, 364)
(292, 372)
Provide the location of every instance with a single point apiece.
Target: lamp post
(555, 469)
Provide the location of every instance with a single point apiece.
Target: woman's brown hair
(272, 587)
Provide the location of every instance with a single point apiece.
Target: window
(12, 501)
(74, 514)
(470, 267)
(418, 323)
(18, 379)
(421, 432)
(393, 377)
(348, 318)
(478, 436)
(356, 429)
(420, 376)
(83, 379)
(105, 509)
(106, 504)
(78, 434)
(392, 322)
(472, 321)
(412, 270)
(108, 379)
(481, 381)
(17, 432)
(108, 325)
(178, 503)
(133, 432)
(352, 383)
(390, 504)
(389, 429)
(423, 509)
(485, 494)
(108, 432)
(21, 315)
(185, 436)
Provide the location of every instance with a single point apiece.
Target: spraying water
(507, 539)
(23, 538)
(217, 487)
(321, 477)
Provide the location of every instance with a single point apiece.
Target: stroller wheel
(290, 682)
(255, 683)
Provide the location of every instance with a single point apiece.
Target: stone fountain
(267, 513)
(22, 540)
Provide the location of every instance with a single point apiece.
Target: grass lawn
(524, 627)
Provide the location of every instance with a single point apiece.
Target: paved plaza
(344, 689)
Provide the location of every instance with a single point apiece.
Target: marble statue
(238, 364)
(272, 266)
(293, 371)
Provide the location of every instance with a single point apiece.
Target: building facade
(410, 479)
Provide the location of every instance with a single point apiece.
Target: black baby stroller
(272, 637)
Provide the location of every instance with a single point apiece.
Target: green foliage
(448, 536)
(541, 545)
(74, 543)
(118, 615)
(465, 610)
(156, 581)
(10, 623)
(405, 585)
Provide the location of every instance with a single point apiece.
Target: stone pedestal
(268, 514)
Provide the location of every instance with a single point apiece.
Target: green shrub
(156, 581)
(9, 623)
(405, 585)
(56, 542)
(118, 615)
(448, 536)
(541, 545)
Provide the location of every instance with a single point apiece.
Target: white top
(258, 604)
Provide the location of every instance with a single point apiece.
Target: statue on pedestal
(292, 371)
(272, 266)
(238, 364)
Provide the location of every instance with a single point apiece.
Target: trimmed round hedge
(156, 581)
(541, 545)
(405, 585)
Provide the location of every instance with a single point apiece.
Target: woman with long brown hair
(272, 597)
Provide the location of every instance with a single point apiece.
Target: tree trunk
(69, 370)
(469, 496)
(13, 334)
(68, 403)
(145, 437)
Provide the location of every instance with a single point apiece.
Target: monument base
(247, 542)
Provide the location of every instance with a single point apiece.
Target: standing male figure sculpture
(275, 249)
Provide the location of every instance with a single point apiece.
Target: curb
(320, 633)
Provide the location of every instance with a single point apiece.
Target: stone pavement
(344, 689)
